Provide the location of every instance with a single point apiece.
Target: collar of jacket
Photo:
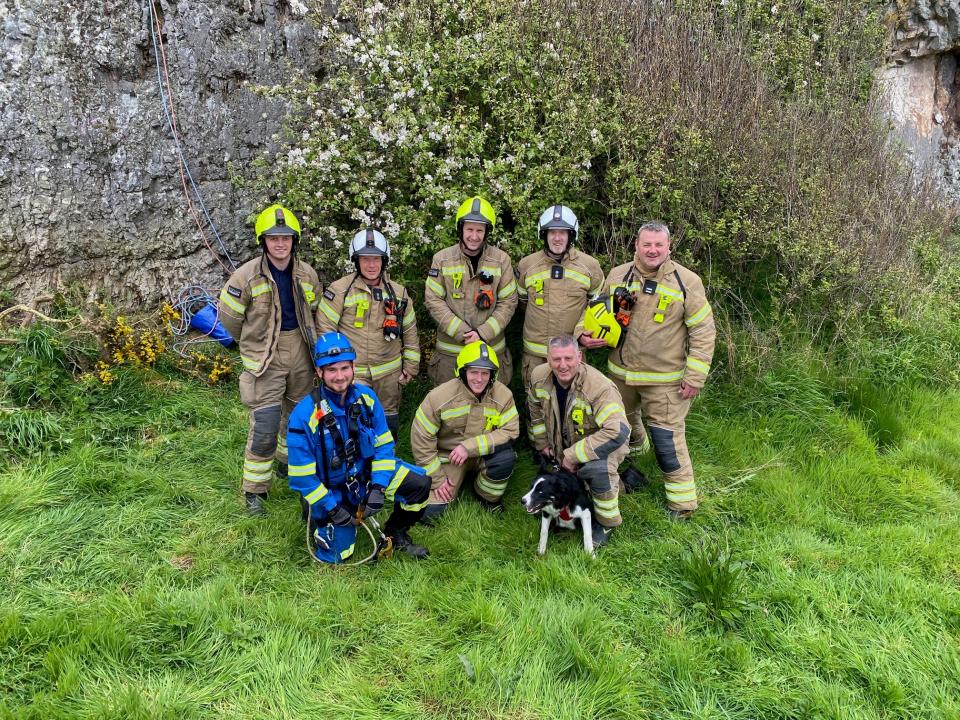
(466, 258)
(570, 254)
(351, 396)
(578, 379)
(265, 267)
(665, 268)
(359, 282)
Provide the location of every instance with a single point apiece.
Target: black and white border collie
(561, 499)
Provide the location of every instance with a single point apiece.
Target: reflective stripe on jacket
(671, 333)
(249, 309)
(554, 305)
(350, 306)
(591, 426)
(451, 414)
(450, 297)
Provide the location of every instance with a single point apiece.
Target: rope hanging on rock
(166, 98)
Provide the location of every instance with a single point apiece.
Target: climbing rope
(189, 301)
(166, 98)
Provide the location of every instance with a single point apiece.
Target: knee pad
(266, 425)
(499, 466)
(596, 475)
(664, 449)
(415, 488)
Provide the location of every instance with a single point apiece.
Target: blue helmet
(332, 347)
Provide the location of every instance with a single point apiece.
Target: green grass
(136, 587)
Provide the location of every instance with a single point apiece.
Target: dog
(561, 499)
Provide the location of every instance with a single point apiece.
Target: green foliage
(29, 432)
(742, 124)
(38, 366)
(715, 581)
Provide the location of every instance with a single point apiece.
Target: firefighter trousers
(530, 361)
(604, 482)
(491, 472)
(388, 391)
(662, 409)
(270, 398)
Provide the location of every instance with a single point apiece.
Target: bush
(743, 126)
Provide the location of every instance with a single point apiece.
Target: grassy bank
(135, 586)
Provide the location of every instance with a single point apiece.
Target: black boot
(403, 543)
(494, 507)
(601, 535)
(633, 480)
(432, 513)
(255, 503)
(397, 528)
(282, 469)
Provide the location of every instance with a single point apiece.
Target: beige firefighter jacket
(353, 308)
(671, 332)
(451, 414)
(592, 426)
(250, 310)
(555, 299)
(451, 293)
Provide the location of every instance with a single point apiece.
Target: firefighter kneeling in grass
(578, 424)
(342, 460)
(467, 424)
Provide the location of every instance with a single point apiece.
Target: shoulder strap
(683, 290)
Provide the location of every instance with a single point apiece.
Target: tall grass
(136, 586)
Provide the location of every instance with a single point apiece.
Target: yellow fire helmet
(277, 220)
(601, 322)
(477, 355)
(478, 210)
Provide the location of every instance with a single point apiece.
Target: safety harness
(346, 452)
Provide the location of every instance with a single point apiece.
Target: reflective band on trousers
(378, 371)
(534, 348)
(453, 349)
(643, 377)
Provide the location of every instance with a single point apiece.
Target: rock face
(89, 177)
(921, 87)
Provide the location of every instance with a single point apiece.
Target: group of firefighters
(336, 442)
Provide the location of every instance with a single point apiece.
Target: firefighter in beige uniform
(376, 314)
(663, 358)
(268, 305)
(554, 286)
(578, 424)
(467, 424)
(471, 292)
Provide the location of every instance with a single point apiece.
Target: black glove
(375, 501)
(341, 517)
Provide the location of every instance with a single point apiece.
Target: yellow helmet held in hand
(277, 220)
(600, 321)
(477, 210)
(477, 355)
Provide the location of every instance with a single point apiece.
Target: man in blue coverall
(342, 461)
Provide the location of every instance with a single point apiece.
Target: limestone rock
(89, 179)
